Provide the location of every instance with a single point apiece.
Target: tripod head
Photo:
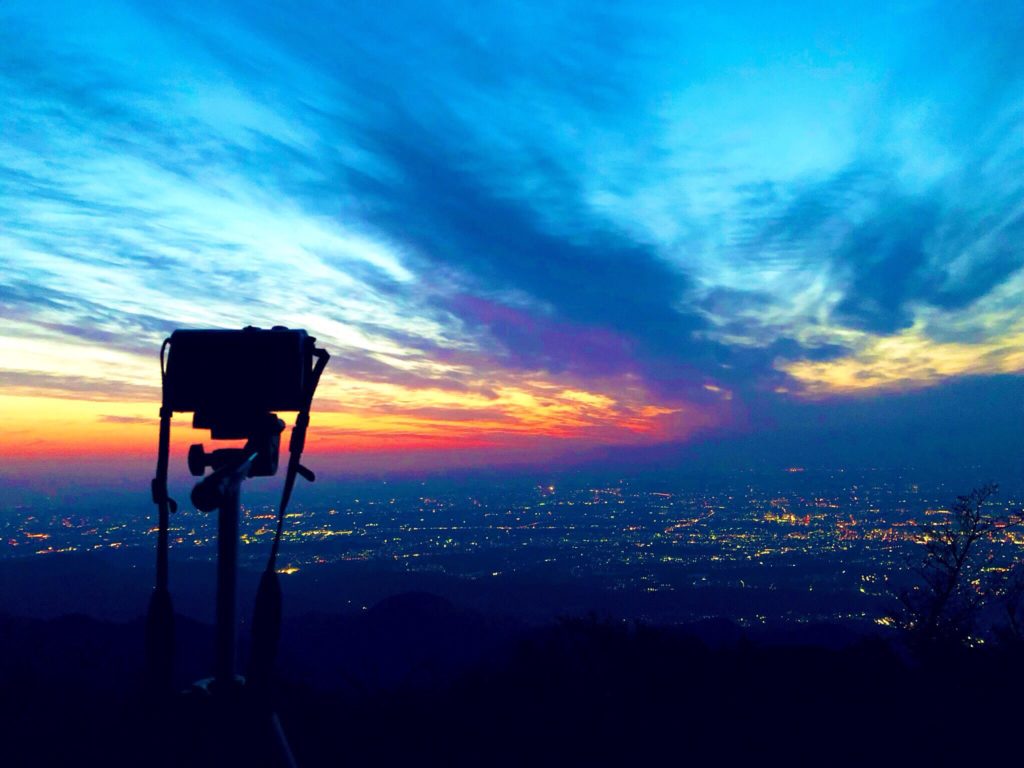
(260, 457)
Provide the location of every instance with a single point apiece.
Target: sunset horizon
(716, 234)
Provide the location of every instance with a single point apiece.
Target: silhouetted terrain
(116, 586)
(418, 680)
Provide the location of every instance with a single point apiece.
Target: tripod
(217, 714)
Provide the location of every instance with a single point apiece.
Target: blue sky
(561, 224)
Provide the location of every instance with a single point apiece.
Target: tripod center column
(227, 586)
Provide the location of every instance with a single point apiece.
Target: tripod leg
(284, 756)
(159, 643)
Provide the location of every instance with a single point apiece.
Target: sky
(530, 232)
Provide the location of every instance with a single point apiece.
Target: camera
(230, 380)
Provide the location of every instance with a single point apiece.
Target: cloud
(113, 419)
(76, 387)
(888, 264)
(651, 205)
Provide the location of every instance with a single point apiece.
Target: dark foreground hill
(416, 680)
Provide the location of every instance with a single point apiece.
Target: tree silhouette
(1010, 594)
(941, 611)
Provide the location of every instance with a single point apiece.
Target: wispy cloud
(650, 207)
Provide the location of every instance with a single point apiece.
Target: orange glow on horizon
(356, 417)
(67, 400)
